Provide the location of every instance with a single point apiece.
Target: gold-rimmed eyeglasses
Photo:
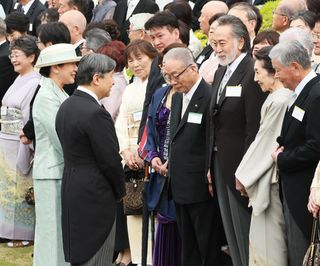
(170, 77)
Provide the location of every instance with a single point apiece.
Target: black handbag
(133, 200)
(312, 256)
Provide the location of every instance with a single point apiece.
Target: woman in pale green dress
(57, 64)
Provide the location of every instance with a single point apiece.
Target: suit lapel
(175, 116)
(235, 78)
(300, 101)
(218, 79)
(193, 106)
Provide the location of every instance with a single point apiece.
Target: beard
(231, 56)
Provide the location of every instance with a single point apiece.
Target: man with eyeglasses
(198, 215)
(316, 40)
(234, 115)
(284, 12)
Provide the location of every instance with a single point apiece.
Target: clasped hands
(132, 160)
(313, 207)
(159, 167)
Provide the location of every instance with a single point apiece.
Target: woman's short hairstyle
(313, 5)
(271, 36)
(17, 21)
(54, 32)
(49, 15)
(138, 47)
(263, 55)
(93, 64)
(115, 50)
(28, 45)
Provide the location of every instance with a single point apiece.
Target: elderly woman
(258, 173)
(263, 39)
(16, 216)
(139, 55)
(115, 50)
(57, 64)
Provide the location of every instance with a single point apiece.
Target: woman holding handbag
(139, 55)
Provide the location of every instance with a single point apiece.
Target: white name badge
(137, 116)
(298, 113)
(4, 110)
(194, 118)
(30, 27)
(233, 91)
(200, 59)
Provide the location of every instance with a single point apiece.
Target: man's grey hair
(289, 10)
(290, 52)
(239, 30)
(181, 54)
(300, 35)
(3, 28)
(96, 37)
(246, 7)
(92, 64)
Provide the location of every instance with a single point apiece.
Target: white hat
(57, 54)
(138, 20)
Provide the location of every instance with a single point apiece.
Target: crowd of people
(106, 105)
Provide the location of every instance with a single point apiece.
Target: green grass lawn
(15, 256)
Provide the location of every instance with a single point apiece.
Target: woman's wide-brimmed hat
(57, 54)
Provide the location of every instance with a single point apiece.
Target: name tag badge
(4, 110)
(298, 113)
(233, 91)
(163, 85)
(194, 118)
(30, 27)
(200, 59)
(137, 116)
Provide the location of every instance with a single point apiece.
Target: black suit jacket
(93, 178)
(187, 159)
(33, 14)
(297, 164)
(7, 5)
(7, 74)
(144, 6)
(234, 120)
(204, 55)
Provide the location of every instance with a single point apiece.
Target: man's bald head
(284, 13)
(76, 23)
(209, 10)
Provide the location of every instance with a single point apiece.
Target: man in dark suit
(198, 215)
(207, 12)
(32, 9)
(235, 115)
(299, 143)
(7, 74)
(125, 9)
(93, 178)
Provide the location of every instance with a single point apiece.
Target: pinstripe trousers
(104, 255)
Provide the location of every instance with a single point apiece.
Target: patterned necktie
(224, 82)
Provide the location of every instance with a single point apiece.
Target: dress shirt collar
(27, 6)
(304, 82)
(2, 42)
(190, 93)
(131, 6)
(91, 93)
(78, 43)
(233, 66)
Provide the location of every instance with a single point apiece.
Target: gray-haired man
(299, 143)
